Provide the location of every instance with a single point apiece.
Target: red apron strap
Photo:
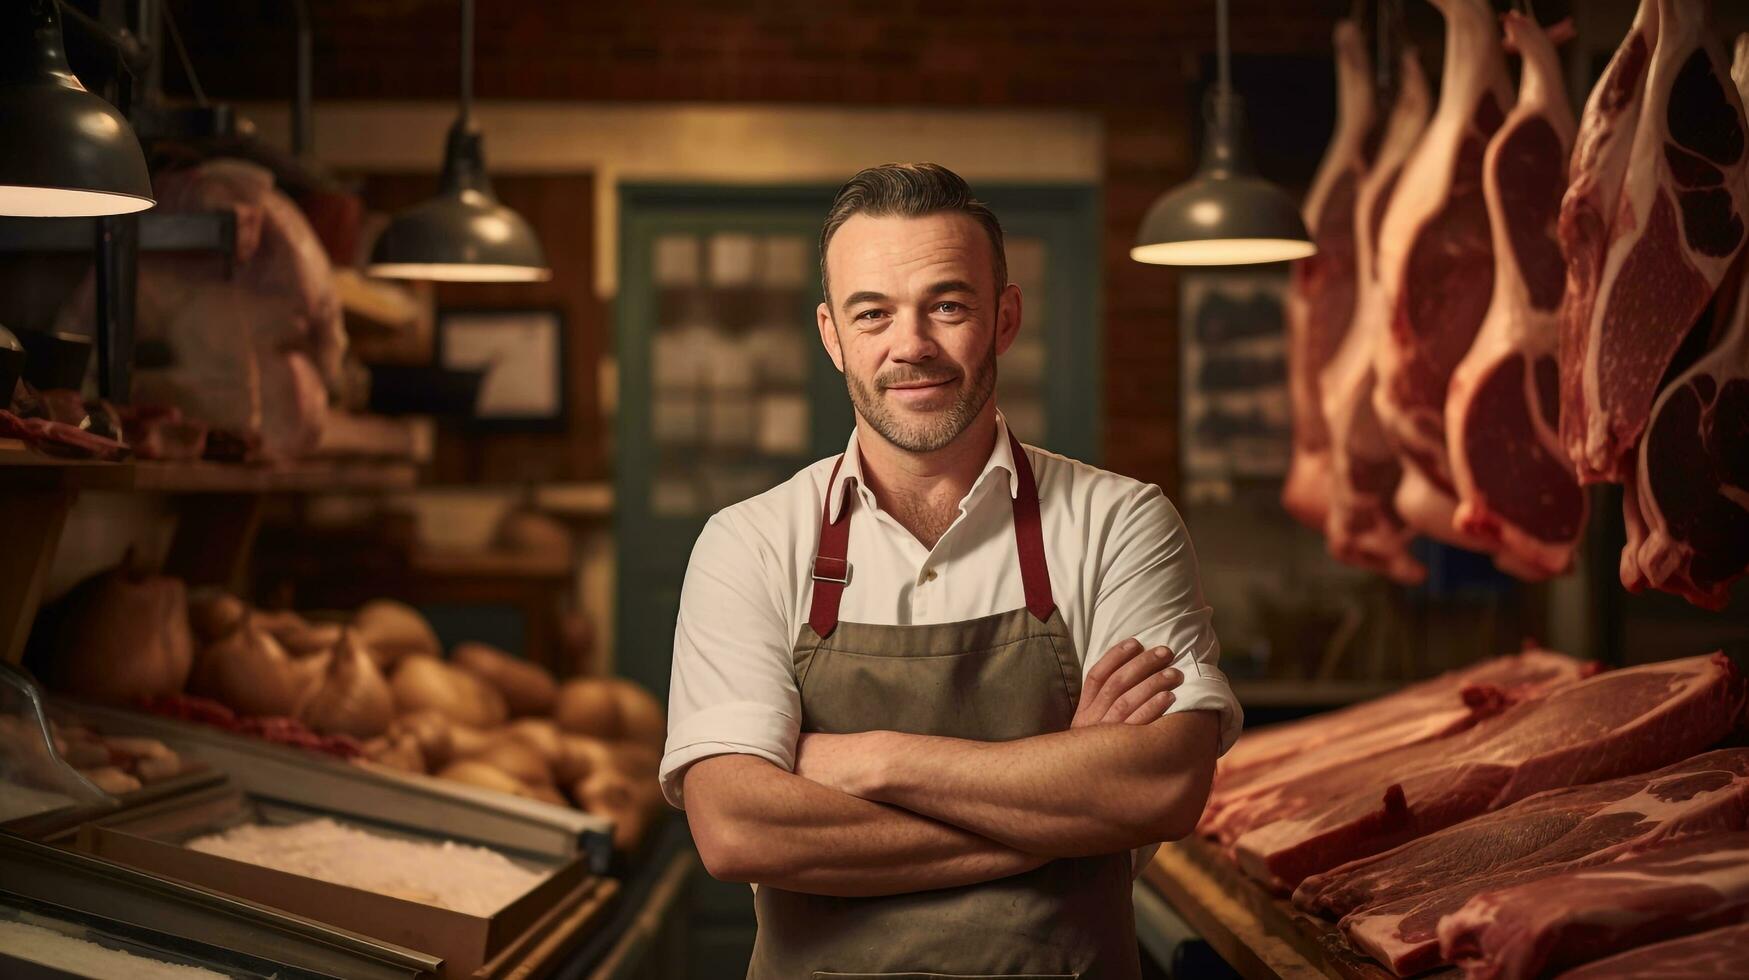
(1029, 538)
(830, 572)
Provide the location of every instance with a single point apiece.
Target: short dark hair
(909, 190)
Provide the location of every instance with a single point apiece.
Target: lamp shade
(64, 152)
(463, 234)
(1226, 214)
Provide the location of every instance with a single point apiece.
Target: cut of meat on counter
(1692, 477)
(1321, 295)
(1436, 266)
(1640, 277)
(1703, 956)
(1690, 886)
(1610, 725)
(1392, 905)
(1251, 779)
(1363, 527)
(1515, 485)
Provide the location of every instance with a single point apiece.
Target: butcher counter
(1262, 937)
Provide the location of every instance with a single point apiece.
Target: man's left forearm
(1084, 791)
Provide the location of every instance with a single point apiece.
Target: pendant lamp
(463, 234)
(64, 152)
(1226, 214)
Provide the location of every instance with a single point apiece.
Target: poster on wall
(1236, 420)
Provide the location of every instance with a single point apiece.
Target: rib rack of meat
(1363, 527)
(1615, 723)
(1644, 261)
(1436, 265)
(1515, 485)
(1320, 300)
(1392, 905)
(1693, 466)
(1250, 791)
(1532, 929)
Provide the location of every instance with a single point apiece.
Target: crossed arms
(880, 813)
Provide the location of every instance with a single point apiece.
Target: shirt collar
(850, 472)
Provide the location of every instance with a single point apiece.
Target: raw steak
(1693, 465)
(1321, 296)
(1691, 886)
(1363, 527)
(1615, 723)
(1515, 485)
(1392, 904)
(1672, 233)
(1436, 266)
(1705, 956)
(1595, 174)
(1249, 790)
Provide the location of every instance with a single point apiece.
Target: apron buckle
(831, 570)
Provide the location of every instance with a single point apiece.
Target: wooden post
(32, 522)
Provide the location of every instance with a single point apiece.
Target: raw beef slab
(1392, 904)
(1248, 795)
(1363, 527)
(1693, 465)
(1321, 295)
(1519, 676)
(1703, 792)
(1615, 723)
(1671, 235)
(1515, 485)
(1721, 953)
(1436, 264)
(1689, 886)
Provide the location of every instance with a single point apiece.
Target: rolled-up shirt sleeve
(733, 688)
(1149, 589)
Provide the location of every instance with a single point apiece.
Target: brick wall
(1128, 60)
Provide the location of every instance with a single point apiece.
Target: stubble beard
(937, 431)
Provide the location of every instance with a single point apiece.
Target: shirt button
(929, 576)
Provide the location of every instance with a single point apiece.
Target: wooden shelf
(1261, 936)
(25, 469)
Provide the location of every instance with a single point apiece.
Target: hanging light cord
(182, 54)
(1224, 69)
(467, 59)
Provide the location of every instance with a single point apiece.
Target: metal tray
(196, 922)
(391, 797)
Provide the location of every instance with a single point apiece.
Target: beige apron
(1006, 676)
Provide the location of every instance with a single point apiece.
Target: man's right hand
(1129, 685)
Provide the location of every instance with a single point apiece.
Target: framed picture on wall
(1236, 420)
(521, 351)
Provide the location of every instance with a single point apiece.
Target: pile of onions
(528, 688)
(252, 674)
(425, 682)
(610, 708)
(394, 630)
(352, 698)
(123, 637)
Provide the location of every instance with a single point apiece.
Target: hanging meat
(1693, 473)
(1436, 266)
(241, 342)
(1515, 486)
(1321, 297)
(1643, 262)
(1363, 527)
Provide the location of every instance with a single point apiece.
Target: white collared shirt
(1121, 565)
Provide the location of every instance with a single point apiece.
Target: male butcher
(929, 695)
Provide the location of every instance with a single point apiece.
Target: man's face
(915, 322)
